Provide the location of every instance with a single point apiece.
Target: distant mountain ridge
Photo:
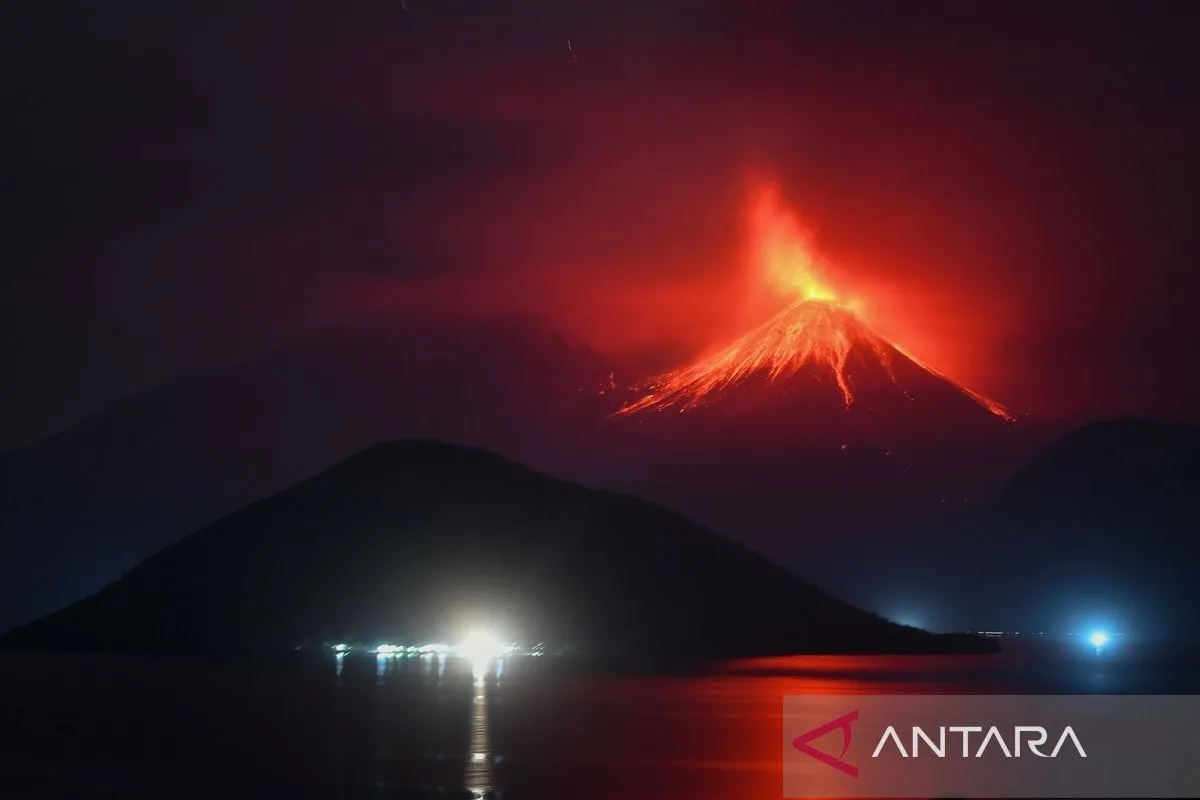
(1101, 528)
(404, 540)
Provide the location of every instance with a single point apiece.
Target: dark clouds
(1012, 187)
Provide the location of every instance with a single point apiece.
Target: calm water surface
(99, 726)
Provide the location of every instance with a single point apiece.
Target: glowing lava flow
(818, 329)
(807, 332)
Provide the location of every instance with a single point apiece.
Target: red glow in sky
(982, 181)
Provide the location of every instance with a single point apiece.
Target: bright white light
(480, 646)
(1098, 639)
(388, 648)
(340, 648)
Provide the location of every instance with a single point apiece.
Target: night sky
(1011, 186)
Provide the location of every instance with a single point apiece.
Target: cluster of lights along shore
(477, 648)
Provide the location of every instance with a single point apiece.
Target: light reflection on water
(357, 726)
(479, 777)
(439, 675)
(713, 734)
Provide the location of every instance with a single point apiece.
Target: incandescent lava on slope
(817, 330)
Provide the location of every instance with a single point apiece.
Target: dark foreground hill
(81, 507)
(410, 540)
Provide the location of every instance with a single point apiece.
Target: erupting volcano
(819, 337)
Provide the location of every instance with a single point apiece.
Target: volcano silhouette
(818, 353)
(811, 431)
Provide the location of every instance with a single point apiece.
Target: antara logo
(1033, 737)
(843, 722)
(1036, 739)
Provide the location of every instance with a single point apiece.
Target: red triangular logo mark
(843, 722)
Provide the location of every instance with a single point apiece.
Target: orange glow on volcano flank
(818, 327)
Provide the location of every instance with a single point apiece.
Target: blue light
(1098, 639)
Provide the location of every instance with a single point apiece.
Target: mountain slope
(811, 435)
(404, 539)
(1101, 526)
